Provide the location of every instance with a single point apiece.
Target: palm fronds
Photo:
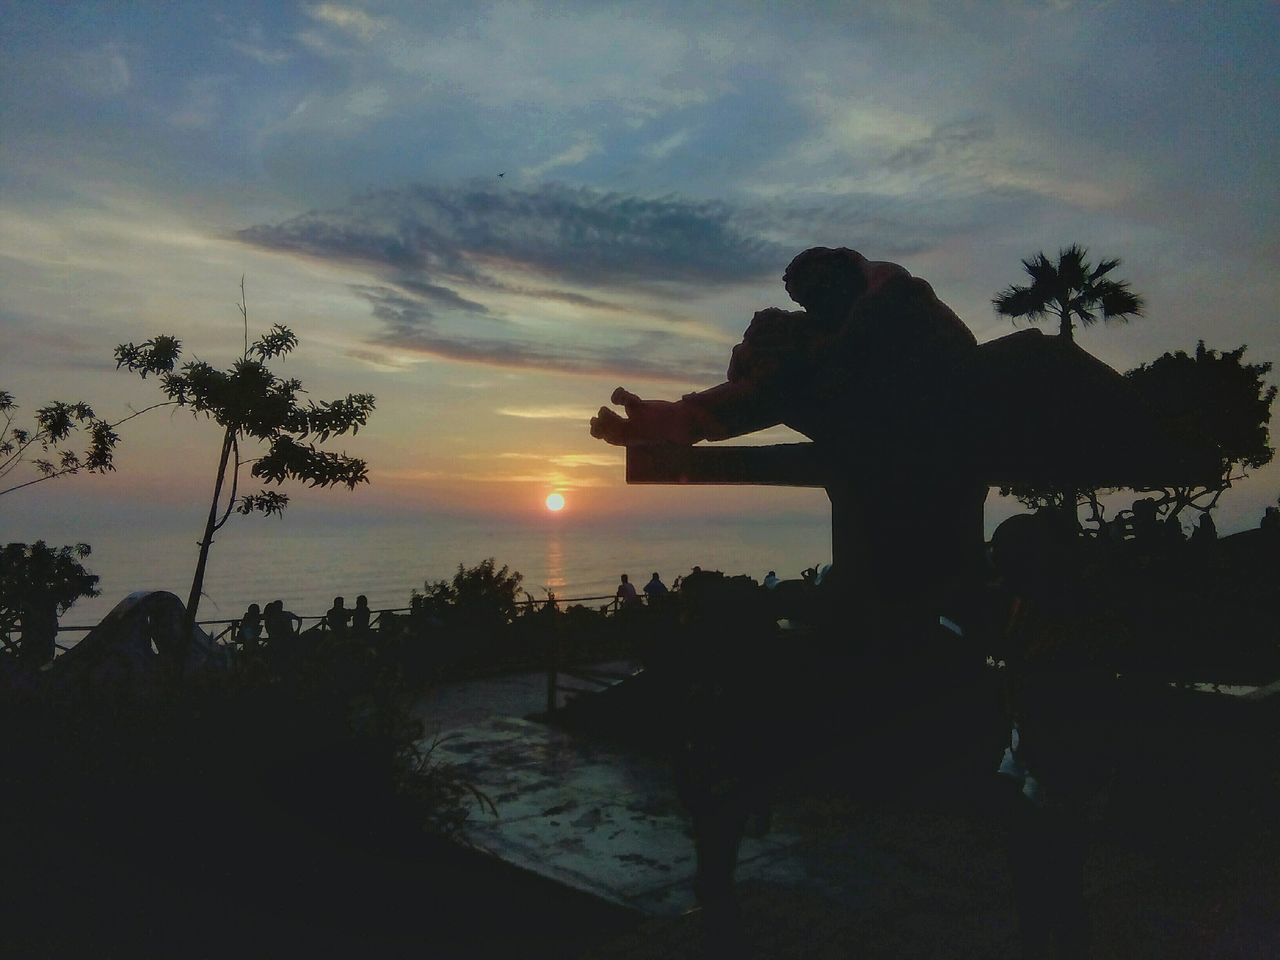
(1072, 290)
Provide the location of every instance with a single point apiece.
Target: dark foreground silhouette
(241, 813)
(898, 672)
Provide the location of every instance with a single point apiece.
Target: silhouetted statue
(360, 615)
(868, 370)
(655, 587)
(338, 617)
(626, 592)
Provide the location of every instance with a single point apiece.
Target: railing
(223, 632)
(601, 679)
(228, 628)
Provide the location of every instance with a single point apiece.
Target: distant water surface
(255, 560)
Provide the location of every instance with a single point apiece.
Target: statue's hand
(646, 421)
(608, 426)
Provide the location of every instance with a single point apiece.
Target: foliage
(1214, 396)
(254, 773)
(1050, 498)
(52, 431)
(482, 597)
(252, 404)
(1072, 290)
(38, 572)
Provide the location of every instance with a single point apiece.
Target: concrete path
(585, 814)
(836, 877)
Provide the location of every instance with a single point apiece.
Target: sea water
(257, 560)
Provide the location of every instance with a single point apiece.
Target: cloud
(564, 459)
(554, 412)
(263, 55)
(102, 72)
(412, 325)
(663, 148)
(571, 233)
(584, 148)
(589, 460)
(348, 19)
(945, 141)
(434, 293)
(201, 106)
(453, 264)
(250, 40)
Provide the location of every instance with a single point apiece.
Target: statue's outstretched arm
(726, 410)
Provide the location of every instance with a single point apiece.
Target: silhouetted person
(1270, 520)
(39, 631)
(771, 580)
(249, 630)
(360, 615)
(1065, 726)
(282, 628)
(1205, 532)
(1146, 523)
(280, 624)
(338, 617)
(655, 587)
(626, 592)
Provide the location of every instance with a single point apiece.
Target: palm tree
(1071, 289)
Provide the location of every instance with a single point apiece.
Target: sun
(555, 502)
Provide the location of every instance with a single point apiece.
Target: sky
(489, 215)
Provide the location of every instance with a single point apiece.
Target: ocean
(307, 564)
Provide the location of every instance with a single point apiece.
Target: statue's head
(826, 281)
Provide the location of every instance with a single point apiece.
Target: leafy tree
(1214, 396)
(39, 574)
(253, 406)
(1072, 290)
(1209, 396)
(483, 595)
(48, 436)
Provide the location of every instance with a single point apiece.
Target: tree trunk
(1068, 492)
(197, 583)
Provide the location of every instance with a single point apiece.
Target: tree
(52, 430)
(252, 405)
(1071, 290)
(39, 576)
(1214, 396)
(480, 598)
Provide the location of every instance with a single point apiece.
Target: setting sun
(555, 502)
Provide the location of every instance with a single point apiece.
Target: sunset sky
(490, 215)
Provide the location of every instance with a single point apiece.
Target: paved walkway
(834, 878)
(587, 814)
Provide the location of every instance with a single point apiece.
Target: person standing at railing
(626, 593)
(282, 634)
(249, 629)
(655, 588)
(337, 617)
(360, 615)
(281, 624)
